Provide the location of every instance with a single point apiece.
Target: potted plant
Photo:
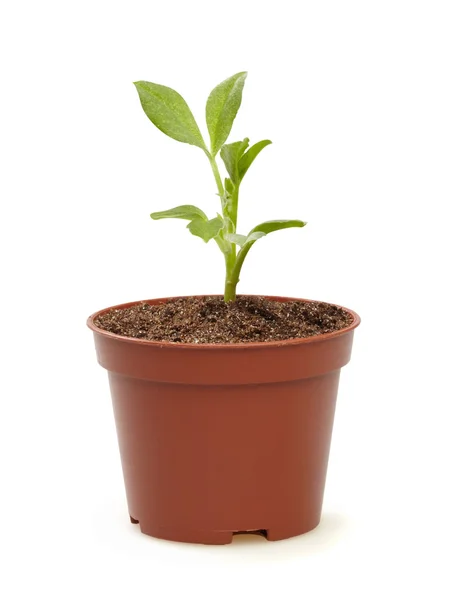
(224, 406)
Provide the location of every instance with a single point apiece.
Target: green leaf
(252, 237)
(269, 226)
(236, 238)
(168, 111)
(206, 229)
(186, 211)
(243, 240)
(247, 159)
(230, 154)
(221, 109)
(229, 186)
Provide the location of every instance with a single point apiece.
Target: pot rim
(163, 344)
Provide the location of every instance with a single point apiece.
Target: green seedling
(168, 111)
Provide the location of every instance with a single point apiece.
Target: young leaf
(244, 240)
(229, 186)
(221, 109)
(269, 226)
(236, 238)
(256, 233)
(205, 229)
(230, 154)
(186, 211)
(252, 237)
(247, 159)
(168, 111)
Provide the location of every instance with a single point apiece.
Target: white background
(356, 99)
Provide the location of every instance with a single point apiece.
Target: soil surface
(210, 320)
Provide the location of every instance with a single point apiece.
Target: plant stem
(230, 284)
(230, 255)
(234, 208)
(231, 280)
(234, 274)
(230, 292)
(215, 169)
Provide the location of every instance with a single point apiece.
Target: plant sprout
(168, 111)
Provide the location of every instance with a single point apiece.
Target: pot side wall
(202, 462)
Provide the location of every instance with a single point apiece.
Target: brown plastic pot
(217, 439)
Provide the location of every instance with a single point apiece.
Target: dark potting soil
(209, 320)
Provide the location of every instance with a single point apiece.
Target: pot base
(274, 534)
